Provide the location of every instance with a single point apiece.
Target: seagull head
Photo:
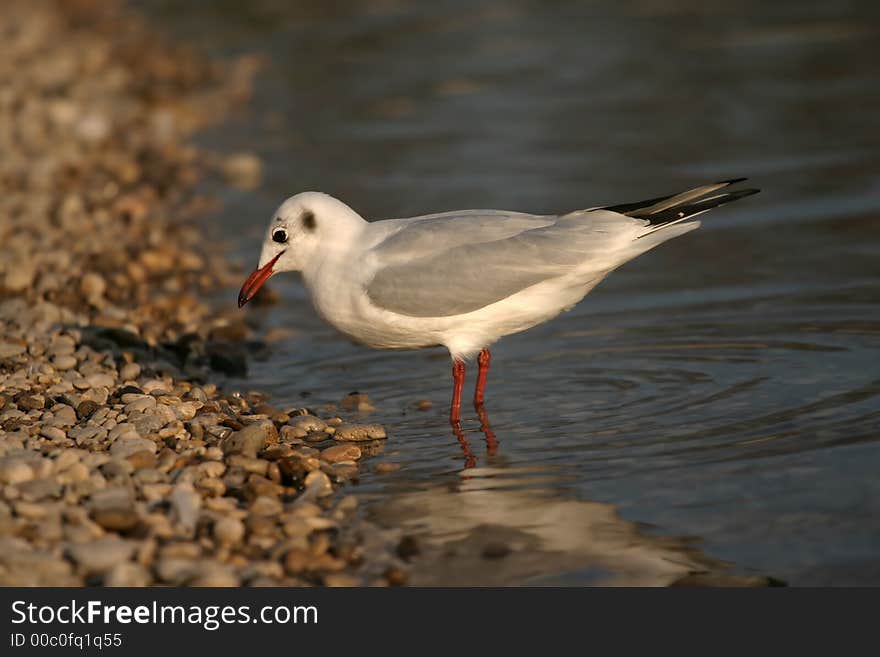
(303, 227)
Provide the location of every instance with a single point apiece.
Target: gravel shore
(122, 461)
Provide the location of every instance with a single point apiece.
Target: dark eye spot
(279, 235)
(309, 220)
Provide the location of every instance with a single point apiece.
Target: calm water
(724, 387)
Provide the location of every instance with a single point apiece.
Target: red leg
(458, 384)
(483, 361)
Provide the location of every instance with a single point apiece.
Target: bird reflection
(470, 460)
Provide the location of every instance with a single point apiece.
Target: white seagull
(462, 279)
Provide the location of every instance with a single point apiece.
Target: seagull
(462, 279)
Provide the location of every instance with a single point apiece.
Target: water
(724, 387)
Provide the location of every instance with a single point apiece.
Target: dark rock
(98, 337)
(709, 579)
(396, 576)
(29, 402)
(125, 390)
(408, 548)
(228, 358)
(495, 550)
(85, 409)
(293, 471)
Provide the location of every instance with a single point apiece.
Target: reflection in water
(470, 460)
(722, 386)
(481, 534)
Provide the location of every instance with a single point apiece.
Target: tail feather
(670, 210)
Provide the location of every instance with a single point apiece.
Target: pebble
(93, 287)
(30, 402)
(127, 574)
(266, 506)
(229, 531)
(357, 402)
(97, 395)
(100, 381)
(116, 468)
(358, 432)
(15, 471)
(39, 489)
(102, 554)
(53, 433)
(138, 403)
(341, 453)
(66, 459)
(215, 575)
(11, 350)
(251, 439)
(186, 502)
(64, 362)
(142, 459)
(185, 410)
(128, 445)
(130, 371)
(386, 467)
(318, 483)
(306, 424)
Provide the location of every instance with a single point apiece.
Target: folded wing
(459, 264)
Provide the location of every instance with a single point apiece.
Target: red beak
(255, 281)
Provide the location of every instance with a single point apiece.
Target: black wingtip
(732, 181)
(679, 213)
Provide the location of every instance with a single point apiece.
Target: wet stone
(386, 467)
(306, 424)
(341, 453)
(319, 483)
(359, 432)
(357, 402)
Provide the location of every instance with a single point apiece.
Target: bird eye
(279, 236)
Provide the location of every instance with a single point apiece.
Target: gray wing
(411, 238)
(456, 265)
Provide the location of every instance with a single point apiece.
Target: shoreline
(122, 461)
